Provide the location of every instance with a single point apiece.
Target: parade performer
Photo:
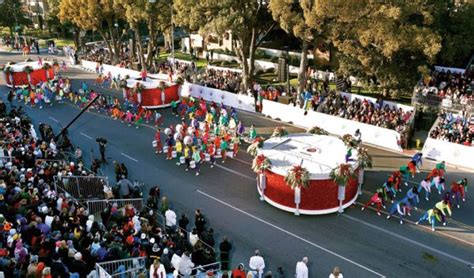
(389, 191)
(158, 118)
(431, 215)
(224, 146)
(426, 185)
(376, 199)
(413, 197)
(236, 142)
(418, 159)
(438, 182)
(395, 178)
(405, 173)
(211, 149)
(399, 207)
(457, 191)
(252, 133)
(412, 168)
(159, 145)
(187, 156)
(442, 206)
(179, 150)
(129, 117)
(138, 120)
(169, 143)
(197, 160)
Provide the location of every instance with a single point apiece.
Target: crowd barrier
(452, 153)
(133, 267)
(116, 71)
(81, 187)
(97, 206)
(453, 70)
(377, 136)
(238, 101)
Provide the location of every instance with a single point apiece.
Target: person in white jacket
(257, 264)
(185, 265)
(170, 219)
(157, 270)
(302, 268)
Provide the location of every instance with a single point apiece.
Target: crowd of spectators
(220, 79)
(454, 128)
(365, 111)
(445, 84)
(45, 233)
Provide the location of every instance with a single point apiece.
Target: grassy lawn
(200, 63)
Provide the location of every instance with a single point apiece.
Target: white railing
(126, 268)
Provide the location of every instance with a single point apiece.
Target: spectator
(302, 268)
(183, 222)
(239, 272)
(170, 216)
(257, 264)
(224, 249)
(157, 270)
(455, 129)
(185, 265)
(336, 273)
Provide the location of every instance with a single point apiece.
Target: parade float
(306, 173)
(29, 73)
(152, 93)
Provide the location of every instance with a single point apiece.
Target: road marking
(291, 234)
(85, 135)
(129, 157)
(409, 240)
(53, 119)
(241, 160)
(234, 172)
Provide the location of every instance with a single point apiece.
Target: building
(37, 11)
(211, 42)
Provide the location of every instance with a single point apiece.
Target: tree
(389, 41)
(54, 23)
(249, 21)
(291, 17)
(97, 15)
(13, 15)
(155, 16)
(455, 24)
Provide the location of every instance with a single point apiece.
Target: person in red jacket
(239, 272)
(159, 145)
(376, 199)
(457, 191)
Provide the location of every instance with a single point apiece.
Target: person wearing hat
(157, 270)
(166, 261)
(257, 264)
(239, 272)
(79, 266)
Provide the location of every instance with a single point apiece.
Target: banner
(238, 101)
(452, 153)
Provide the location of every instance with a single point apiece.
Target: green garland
(28, 69)
(342, 174)
(349, 140)
(279, 131)
(317, 131)
(261, 163)
(256, 144)
(364, 159)
(297, 176)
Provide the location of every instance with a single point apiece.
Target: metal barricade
(201, 271)
(96, 206)
(126, 268)
(82, 187)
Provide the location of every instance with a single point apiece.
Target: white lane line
(410, 240)
(291, 234)
(85, 135)
(53, 119)
(235, 172)
(241, 160)
(129, 157)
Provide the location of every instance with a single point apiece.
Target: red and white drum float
(29, 73)
(152, 93)
(319, 154)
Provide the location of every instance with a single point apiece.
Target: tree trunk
(109, 45)
(141, 56)
(241, 55)
(151, 43)
(76, 38)
(302, 70)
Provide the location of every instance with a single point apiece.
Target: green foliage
(12, 14)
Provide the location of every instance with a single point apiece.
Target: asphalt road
(361, 243)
